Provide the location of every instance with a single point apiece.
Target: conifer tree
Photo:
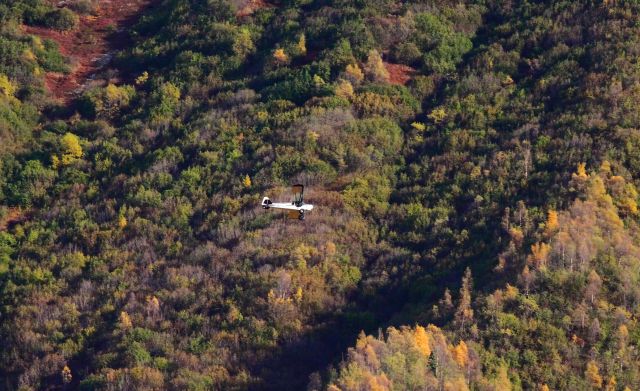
(592, 374)
(552, 222)
(464, 313)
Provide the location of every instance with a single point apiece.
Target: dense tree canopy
(474, 167)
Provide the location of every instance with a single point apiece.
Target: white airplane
(296, 208)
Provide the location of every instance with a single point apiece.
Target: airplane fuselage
(288, 206)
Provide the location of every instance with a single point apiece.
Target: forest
(474, 167)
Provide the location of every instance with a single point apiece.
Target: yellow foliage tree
(422, 341)
(501, 382)
(461, 354)
(7, 88)
(71, 149)
(142, 78)
(419, 126)
(517, 236)
(581, 171)
(37, 42)
(153, 303)
(246, 181)
(280, 56)
(464, 313)
(301, 46)
(298, 295)
(124, 321)
(330, 249)
(362, 340)
(437, 115)
(622, 335)
(544, 387)
(118, 96)
(171, 92)
(303, 252)
(66, 375)
(354, 73)
(28, 55)
(375, 67)
(629, 205)
(371, 357)
(552, 222)
(122, 222)
(511, 292)
(540, 255)
(313, 135)
(344, 89)
(592, 374)
(414, 358)
(458, 384)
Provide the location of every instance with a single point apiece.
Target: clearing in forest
(90, 45)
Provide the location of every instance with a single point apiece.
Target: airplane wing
(285, 205)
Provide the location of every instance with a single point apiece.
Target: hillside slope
(473, 166)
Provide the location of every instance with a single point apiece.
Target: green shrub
(35, 15)
(50, 58)
(62, 19)
(83, 6)
(407, 53)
